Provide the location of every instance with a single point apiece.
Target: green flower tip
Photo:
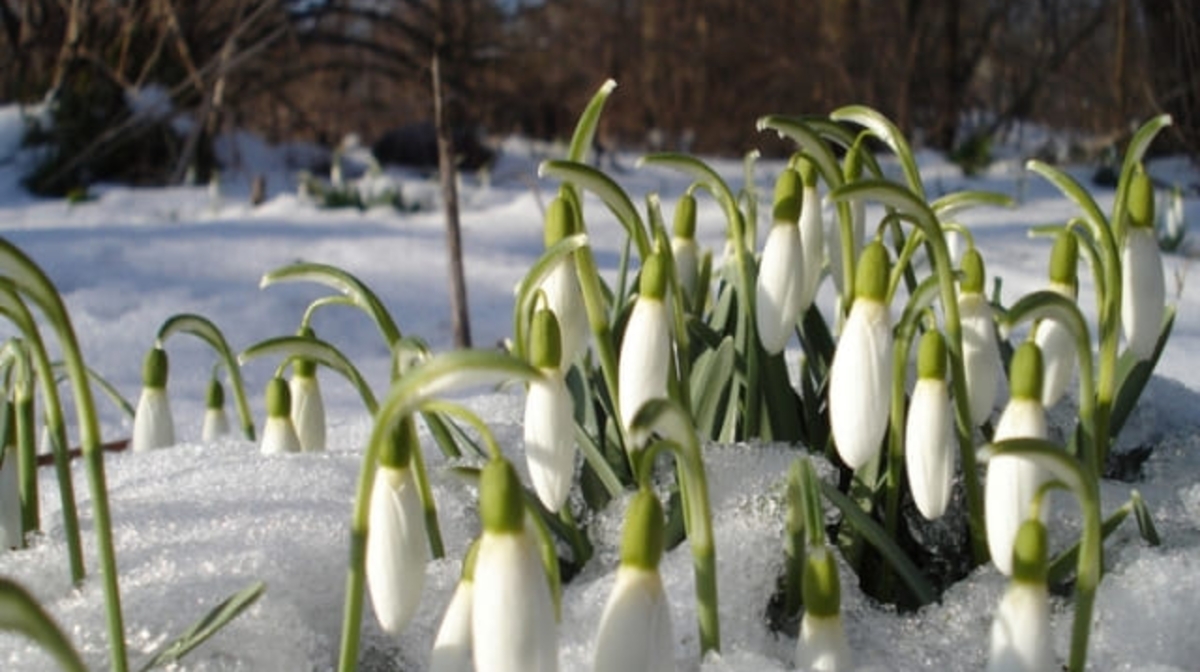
(561, 220)
(788, 189)
(1141, 200)
(545, 340)
(1064, 259)
(973, 272)
(854, 163)
(1030, 553)
(931, 359)
(807, 170)
(305, 368)
(1026, 373)
(653, 284)
(820, 587)
(401, 442)
(154, 369)
(685, 217)
(643, 538)
(216, 395)
(279, 398)
(501, 498)
(871, 276)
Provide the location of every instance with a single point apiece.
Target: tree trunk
(460, 313)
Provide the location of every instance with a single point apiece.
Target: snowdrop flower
(512, 616)
(780, 286)
(153, 426)
(279, 435)
(684, 249)
(812, 235)
(1013, 482)
(928, 443)
(822, 646)
(1021, 637)
(1052, 336)
(564, 297)
(981, 353)
(635, 628)
(308, 408)
(1143, 291)
(216, 420)
(646, 346)
(452, 645)
(860, 386)
(549, 417)
(10, 494)
(397, 552)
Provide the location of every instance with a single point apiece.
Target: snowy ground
(197, 522)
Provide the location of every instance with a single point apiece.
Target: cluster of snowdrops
(627, 376)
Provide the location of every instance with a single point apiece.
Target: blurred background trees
(693, 74)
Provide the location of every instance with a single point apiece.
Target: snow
(196, 522)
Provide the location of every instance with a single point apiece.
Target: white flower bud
(397, 551)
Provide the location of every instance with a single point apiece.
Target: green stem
(1084, 483)
(924, 218)
(667, 419)
(439, 375)
(30, 280)
(14, 308)
(204, 329)
(27, 449)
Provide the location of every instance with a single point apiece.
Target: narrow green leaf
(1133, 375)
(882, 128)
(1145, 521)
(203, 328)
(335, 278)
(1072, 190)
(608, 190)
(585, 128)
(872, 533)
(810, 142)
(712, 375)
(20, 613)
(950, 205)
(206, 627)
(1133, 156)
(316, 350)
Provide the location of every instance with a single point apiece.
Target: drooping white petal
(10, 501)
(812, 246)
(564, 298)
(452, 646)
(821, 646)
(1012, 482)
(780, 287)
(645, 354)
(860, 388)
(279, 436)
(981, 354)
(216, 424)
(1058, 357)
(1021, 636)
(550, 439)
(929, 447)
(308, 412)
(153, 426)
(397, 550)
(687, 263)
(1143, 291)
(512, 615)
(635, 629)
